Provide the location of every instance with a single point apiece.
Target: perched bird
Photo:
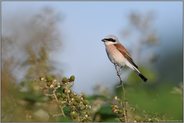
(119, 56)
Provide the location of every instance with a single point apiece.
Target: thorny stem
(123, 90)
(61, 108)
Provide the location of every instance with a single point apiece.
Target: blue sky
(86, 23)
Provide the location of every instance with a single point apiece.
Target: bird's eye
(110, 39)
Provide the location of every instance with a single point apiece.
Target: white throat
(109, 43)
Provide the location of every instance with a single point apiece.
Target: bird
(119, 55)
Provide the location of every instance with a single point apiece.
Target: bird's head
(110, 39)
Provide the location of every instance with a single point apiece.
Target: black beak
(103, 40)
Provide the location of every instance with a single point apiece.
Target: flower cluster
(71, 104)
(119, 108)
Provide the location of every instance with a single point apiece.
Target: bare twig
(123, 91)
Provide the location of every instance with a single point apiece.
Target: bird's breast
(115, 55)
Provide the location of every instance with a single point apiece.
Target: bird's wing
(125, 53)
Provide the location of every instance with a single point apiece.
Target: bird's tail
(135, 68)
(140, 75)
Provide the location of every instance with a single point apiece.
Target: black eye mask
(110, 39)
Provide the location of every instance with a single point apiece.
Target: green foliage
(56, 100)
(106, 114)
(154, 102)
(71, 105)
(151, 101)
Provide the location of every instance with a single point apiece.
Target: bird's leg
(118, 74)
(118, 69)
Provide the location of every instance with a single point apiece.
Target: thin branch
(123, 91)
